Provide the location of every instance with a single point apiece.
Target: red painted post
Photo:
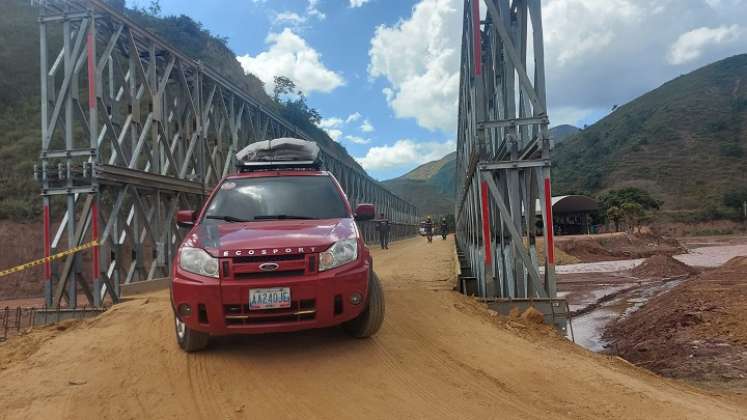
(549, 234)
(486, 223)
(476, 36)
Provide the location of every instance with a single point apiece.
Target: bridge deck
(438, 355)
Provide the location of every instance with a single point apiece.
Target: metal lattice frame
(132, 129)
(503, 165)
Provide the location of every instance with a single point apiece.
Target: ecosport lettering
(269, 251)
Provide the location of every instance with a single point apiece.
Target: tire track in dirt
(438, 355)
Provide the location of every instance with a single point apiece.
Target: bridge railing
(132, 130)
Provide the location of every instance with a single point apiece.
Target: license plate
(276, 297)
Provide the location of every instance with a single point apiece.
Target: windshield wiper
(229, 219)
(281, 217)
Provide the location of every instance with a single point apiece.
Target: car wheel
(189, 340)
(370, 320)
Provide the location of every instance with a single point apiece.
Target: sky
(384, 74)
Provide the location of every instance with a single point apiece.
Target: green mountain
(431, 186)
(562, 132)
(20, 119)
(684, 142)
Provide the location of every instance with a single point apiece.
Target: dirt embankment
(697, 331)
(438, 355)
(617, 246)
(21, 243)
(663, 266)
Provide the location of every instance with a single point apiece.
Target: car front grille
(251, 267)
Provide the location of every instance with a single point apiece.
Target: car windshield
(276, 198)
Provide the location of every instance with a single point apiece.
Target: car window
(268, 198)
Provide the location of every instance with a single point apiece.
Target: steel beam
(503, 160)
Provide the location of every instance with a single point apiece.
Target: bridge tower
(503, 157)
(133, 129)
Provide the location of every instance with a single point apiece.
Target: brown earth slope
(697, 331)
(617, 246)
(438, 355)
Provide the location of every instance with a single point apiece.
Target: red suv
(276, 248)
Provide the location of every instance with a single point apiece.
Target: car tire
(369, 321)
(188, 339)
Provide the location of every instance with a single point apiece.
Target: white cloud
(577, 28)
(420, 59)
(334, 134)
(333, 127)
(336, 125)
(313, 10)
(358, 3)
(404, 152)
(367, 127)
(353, 117)
(358, 139)
(690, 45)
(332, 122)
(289, 55)
(597, 53)
(721, 3)
(290, 18)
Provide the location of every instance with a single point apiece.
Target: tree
(615, 215)
(299, 112)
(616, 198)
(634, 214)
(155, 8)
(283, 86)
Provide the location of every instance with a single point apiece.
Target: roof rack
(278, 165)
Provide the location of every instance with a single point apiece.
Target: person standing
(383, 226)
(429, 228)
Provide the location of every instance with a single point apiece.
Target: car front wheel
(369, 321)
(189, 340)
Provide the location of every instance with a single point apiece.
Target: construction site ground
(695, 331)
(438, 355)
(682, 317)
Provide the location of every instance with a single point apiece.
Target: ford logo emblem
(268, 266)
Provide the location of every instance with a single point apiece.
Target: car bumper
(220, 307)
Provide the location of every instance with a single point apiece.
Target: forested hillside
(684, 142)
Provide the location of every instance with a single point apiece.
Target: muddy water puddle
(589, 327)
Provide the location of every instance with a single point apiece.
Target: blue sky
(393, 64)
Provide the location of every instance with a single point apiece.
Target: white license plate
(276, 297)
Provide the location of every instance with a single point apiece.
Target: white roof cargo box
(279, 153)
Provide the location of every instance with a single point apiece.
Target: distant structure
(571, 214)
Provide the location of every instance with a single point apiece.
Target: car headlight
(342, 252)
(196, 260)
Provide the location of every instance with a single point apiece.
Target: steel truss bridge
(503, 161)
(133, 129)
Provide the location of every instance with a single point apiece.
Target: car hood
(230, 239)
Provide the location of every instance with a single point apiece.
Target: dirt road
(438, 355)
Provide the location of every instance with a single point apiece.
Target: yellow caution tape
(49, 258)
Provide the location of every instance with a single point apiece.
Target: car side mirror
(364, 212)
(185, 218)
